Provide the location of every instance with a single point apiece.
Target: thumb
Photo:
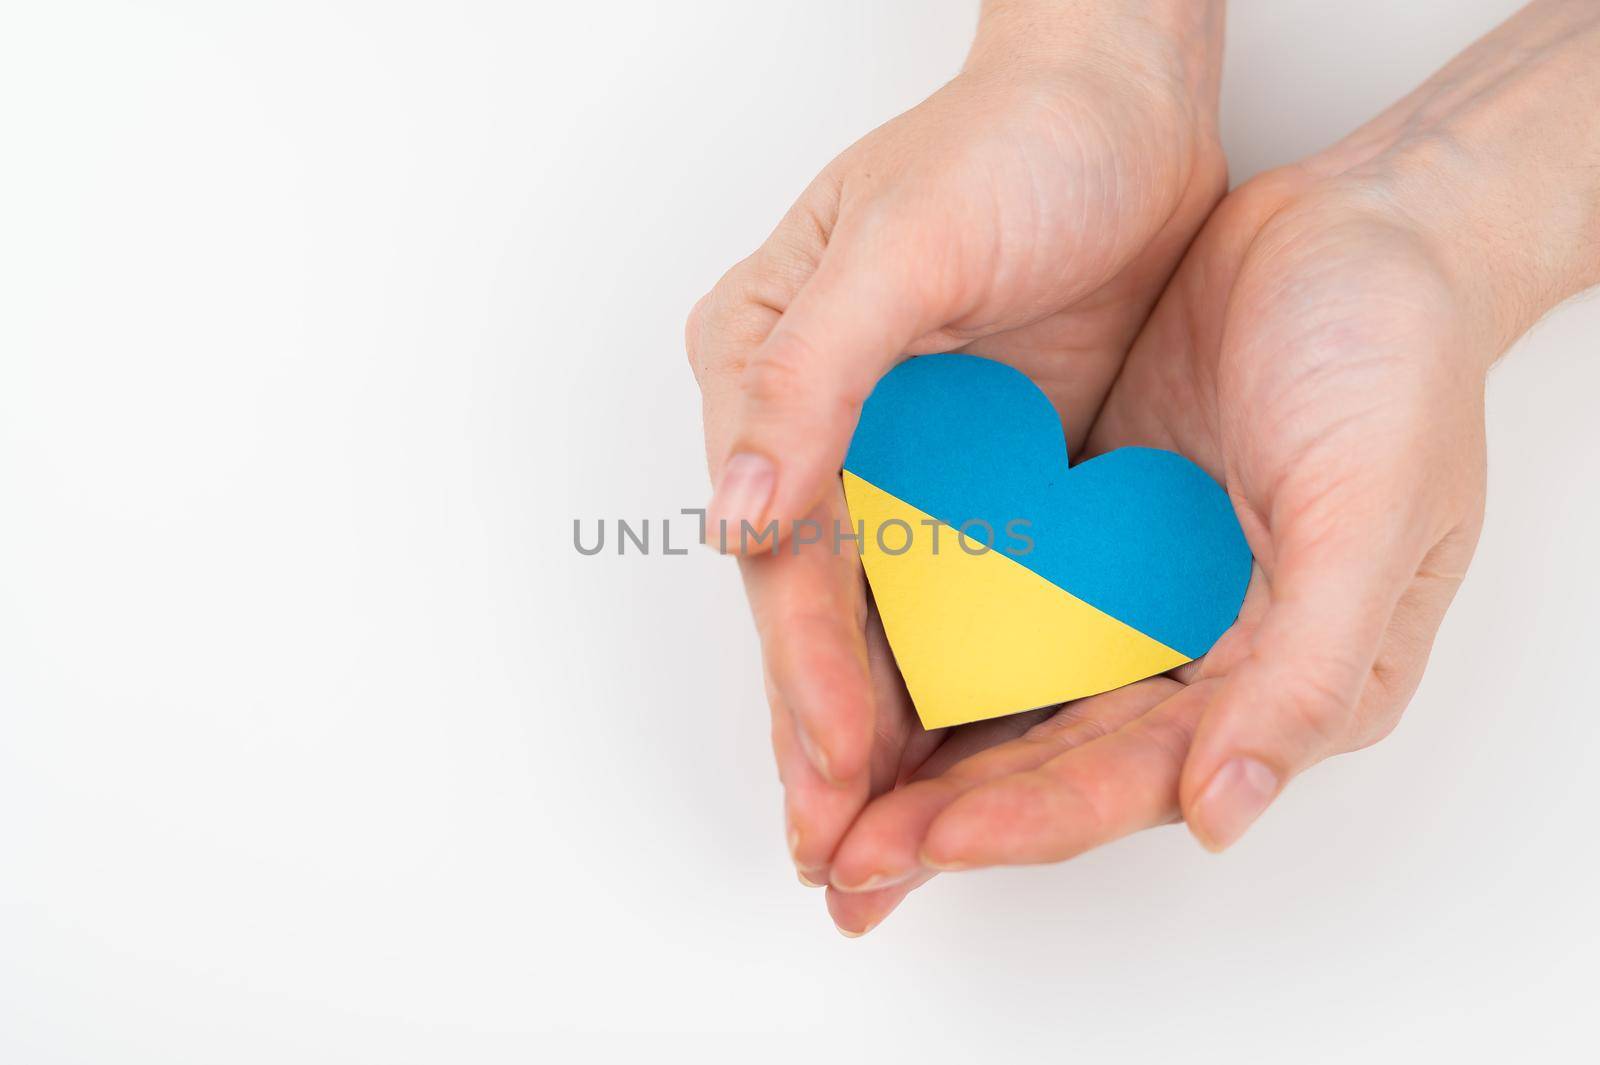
(1292, 701)
(802, 391)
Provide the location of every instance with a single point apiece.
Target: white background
(320, 322)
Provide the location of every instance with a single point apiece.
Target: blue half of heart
(1141, 534)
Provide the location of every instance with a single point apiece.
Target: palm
(1319, 389)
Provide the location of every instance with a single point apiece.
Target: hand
(1312, 358)
(1031, 209)
(1322, 351)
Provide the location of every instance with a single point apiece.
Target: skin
(1001, 216)
(1322, 351)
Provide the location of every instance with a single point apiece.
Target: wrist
(1497, 160)
(1174, 46)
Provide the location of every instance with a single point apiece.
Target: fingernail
(875, 882)
(807, 881)
(794, 843)
(1238, 794)
(813, 753)
(742, 495)
(848, 934)
(951, 866)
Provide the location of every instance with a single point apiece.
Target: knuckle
(1085, 808)
(1383, 701)
(782, 266)
(783, 371)
(693, 326)
(737, 317)
(1170, 737)
(1067, 729)
(1373, 728)
(1317, 705)
(791, 377)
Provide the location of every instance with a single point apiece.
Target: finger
(976, 740)
(861, 909)
(1292, 700)
(724, 326)
(807, 606)
(824, 778)
(856, 915)
(1089, 795)
(810, 611)
(729, 323)
(801, 392)
(1408, 639)
(816, 811)
(884, 846)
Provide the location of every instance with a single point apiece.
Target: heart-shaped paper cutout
(1137, 563)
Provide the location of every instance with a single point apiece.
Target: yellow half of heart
(980, 635)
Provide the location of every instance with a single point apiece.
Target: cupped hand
(1032, 210)
(1322, 354)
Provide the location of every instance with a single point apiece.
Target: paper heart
(1137, 562)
